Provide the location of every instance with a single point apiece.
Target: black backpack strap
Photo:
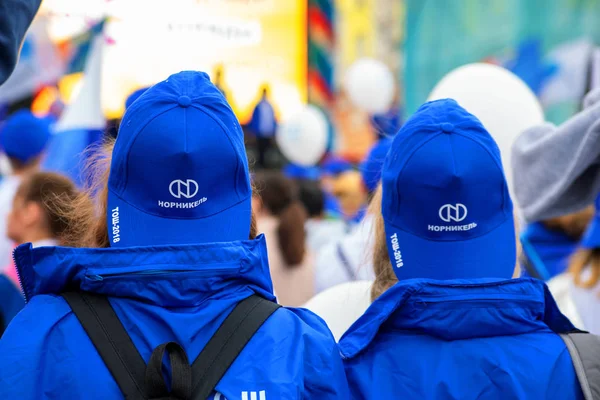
(112, 342)
(228, 342)
(584, 349)
(181, 373)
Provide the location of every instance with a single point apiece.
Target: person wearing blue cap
(23, 139)
(172, 263)
(447, 321)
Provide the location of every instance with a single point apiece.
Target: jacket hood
(457, 310)
(169, 276)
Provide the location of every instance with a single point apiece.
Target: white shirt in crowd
(8, 188)
(347, 258)
(581, 306)
(320, 232)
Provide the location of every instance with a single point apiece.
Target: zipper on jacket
(497, 300)
(141, 273)
(19, 278)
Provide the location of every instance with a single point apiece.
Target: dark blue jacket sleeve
(15, 18)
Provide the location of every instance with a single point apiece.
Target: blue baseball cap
(134, 96)
(591, 237)
(370, 168)
(446, 206)
(179, 172)
(24, 136)
(295, 171)
(334, 165)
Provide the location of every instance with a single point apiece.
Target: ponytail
(279, 195)
(291, 235)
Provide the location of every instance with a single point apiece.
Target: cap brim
(492, 255)
(591, 238)
(137, 228)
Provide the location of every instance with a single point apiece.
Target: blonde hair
(384, 272)
(86, 214)
(582, 260)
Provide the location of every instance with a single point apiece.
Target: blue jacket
(484, 339)
(160, 294)
(11, 301)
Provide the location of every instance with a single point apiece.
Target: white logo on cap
(187, 188)
(456, 213)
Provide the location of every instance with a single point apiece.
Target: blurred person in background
(348, 258)
(577, 291)
(34, 218)
(264, 126)
(331, 168)
(320, 230)
(15, 18)
(444, 254)
(282, 218)
(164, 255)
(349, 190)
(23, 139)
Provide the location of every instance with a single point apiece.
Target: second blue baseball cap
(24, 136)
(446, 206)
(179, 172)
(370, 168)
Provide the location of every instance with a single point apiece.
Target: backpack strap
(584, 349)
(345, 262)
(228, 342)
(181, 373)
(112, 342)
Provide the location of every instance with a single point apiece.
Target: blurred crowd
(422, 271)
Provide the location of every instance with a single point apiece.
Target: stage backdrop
(546, 43)
(247, 43)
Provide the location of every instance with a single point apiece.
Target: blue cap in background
(24, 136)
(446, 205)
(370, 168)
(334, 165)
(134, 96)
(179, 172)
(295, 171)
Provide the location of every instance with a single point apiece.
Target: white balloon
(370, 85)
(502, 101)
(303, 138)
(341, 305)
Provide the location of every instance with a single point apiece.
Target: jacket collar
(458, 309)
(163, 275)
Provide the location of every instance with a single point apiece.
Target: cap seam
(129, 145)
(499, 166)
(203, 109)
